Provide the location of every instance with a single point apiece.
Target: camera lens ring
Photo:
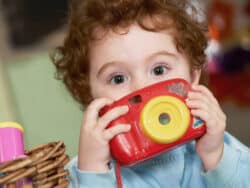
(179, 119)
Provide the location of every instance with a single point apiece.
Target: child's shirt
(178, 168)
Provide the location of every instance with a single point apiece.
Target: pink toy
(11, 141)
(12, 146)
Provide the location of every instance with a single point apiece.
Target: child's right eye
(118, 79)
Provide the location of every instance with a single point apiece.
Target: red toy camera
(159, 119)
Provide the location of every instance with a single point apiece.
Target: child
(115, 47)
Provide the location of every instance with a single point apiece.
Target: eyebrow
(105, 66)
(151, 56)
(162, 52)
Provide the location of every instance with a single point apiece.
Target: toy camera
(159, 119)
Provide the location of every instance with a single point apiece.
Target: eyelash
(164, 66)
(111, 78)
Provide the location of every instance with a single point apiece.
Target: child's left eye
(159, 70)
(118, 79)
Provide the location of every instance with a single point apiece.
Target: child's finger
(211, 118)
(205, 91)
(111, 115)
(117, 129)
(198, 96)
(204, 115)
(211, 114)
(197, 104)
(92, 111)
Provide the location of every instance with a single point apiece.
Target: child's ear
(195, 76)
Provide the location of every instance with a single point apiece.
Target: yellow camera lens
(165, 119)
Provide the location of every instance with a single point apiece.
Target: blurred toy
(12, 146)
(11, 141)
(44, 164)
(220, 18)
(160, 121)
(229, 51)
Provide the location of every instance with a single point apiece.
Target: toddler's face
(121, 64)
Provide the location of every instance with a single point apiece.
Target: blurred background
(30, 94)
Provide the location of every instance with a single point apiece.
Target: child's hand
(94, 153)
(204, 105)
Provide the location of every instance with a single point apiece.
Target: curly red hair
(71, 59)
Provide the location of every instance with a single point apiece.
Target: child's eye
(159, 70)
(118, 79)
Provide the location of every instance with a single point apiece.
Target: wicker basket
(44, 165)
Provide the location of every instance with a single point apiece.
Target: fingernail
(110, 101)
(125, 108)
(128, 126)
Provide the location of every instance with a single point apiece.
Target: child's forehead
(131, 38)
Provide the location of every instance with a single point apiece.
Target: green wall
(6, 112)
(42, 104)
